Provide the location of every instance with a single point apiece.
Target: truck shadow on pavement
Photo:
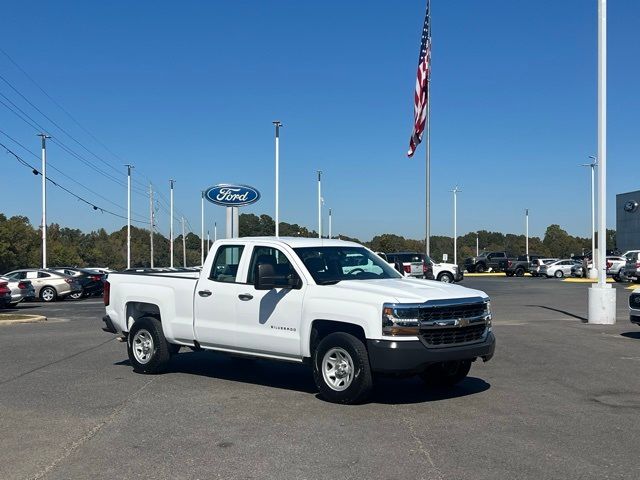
(564, 312)
(633, 335)
(298, 377)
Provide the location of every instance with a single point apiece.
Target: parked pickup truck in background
(520, 265)
(496, 261)
(332, 304)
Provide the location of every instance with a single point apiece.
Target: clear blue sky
(188, 90)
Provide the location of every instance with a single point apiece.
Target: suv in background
(496, 261)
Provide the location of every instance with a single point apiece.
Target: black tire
(559, 274)
(76, 295)
(519, 272)
(446, 374)
(159, 352)
(480, 268)
(362, 381)
(48, 294)
(445, 277)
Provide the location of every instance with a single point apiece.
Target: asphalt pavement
(560, 400)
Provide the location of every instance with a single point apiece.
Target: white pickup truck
(333, 304)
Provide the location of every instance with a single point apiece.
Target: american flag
(422, 87)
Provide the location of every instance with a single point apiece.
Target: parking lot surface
(560, 400)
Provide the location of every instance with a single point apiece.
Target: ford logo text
(232, 195)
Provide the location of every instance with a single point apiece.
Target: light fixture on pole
(526, 232)
(129, 167)
(43, 137)
(277, 219)
(455, 224)
(319, 203)
(593, 273)
(602, 298)
(171, 182)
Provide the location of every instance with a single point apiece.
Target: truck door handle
(245, 296)
(204, 293)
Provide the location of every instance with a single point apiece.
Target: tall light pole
(602, 298)
(477, 245)
(455, 224)
(208, 241)
(202, 228)
(526, 232)
(330, 222)
(215, 231)
(277, 125)
(129, 167)
(43, 137)
(171, 182)
(184, 246)
(594, 163)
(319, 203)
(152, 223)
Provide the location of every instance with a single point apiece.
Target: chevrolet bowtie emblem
(463, 322)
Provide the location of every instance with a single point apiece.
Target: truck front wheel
(446, 374)
(341, 369)
(148, 349)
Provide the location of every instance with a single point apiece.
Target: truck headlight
(634, 300)
(399, 320)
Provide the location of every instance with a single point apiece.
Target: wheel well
(322, 328)
(136, 310)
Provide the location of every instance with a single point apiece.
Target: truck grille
(448, 312)
(450, 336)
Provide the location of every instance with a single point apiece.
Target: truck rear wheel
(519, 272)
(341, 369)
(480, 268)
(148, 349)
(446, 374)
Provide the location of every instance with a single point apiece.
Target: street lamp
(455, 224)
(593, 273)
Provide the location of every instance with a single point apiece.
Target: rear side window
(43, 275)
(225, 265)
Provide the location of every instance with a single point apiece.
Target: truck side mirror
(265, 277)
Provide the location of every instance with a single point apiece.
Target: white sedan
(559, 269)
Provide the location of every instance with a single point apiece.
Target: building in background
(628, 221)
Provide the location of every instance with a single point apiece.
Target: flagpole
(428, 177)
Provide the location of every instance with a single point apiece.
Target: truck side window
(279, 260)
(225, 265)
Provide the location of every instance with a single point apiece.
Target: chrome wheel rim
(76, 296)
(47, 295)
(445, 279)
(337, 369)
(142, 346)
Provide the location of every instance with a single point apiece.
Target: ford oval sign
(229, 195)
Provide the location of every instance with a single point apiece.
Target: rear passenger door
(216, 298)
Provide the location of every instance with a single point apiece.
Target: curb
(26, 319)
(491, 274)
(586, 280)
(632, 287)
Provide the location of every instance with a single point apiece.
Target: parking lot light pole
(184, 246)
(593, 273)
(477, 245)
(44, 137)
(215, 231)
(330, 223)
(455, 224)
(602, 298)
(319, 203)
(526, 232)
(277, 193)
(129, 167)
(171, 182)
(202, 228)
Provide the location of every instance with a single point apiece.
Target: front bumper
(388, 356)
(458, 276)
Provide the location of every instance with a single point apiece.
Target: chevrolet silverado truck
(332, 304)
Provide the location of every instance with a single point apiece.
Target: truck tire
(519, 272)
(480, 268)
(446, 374)
(445, 277)
(148, 349)
(341, 369)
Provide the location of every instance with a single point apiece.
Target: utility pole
(202, 228)
(43, 137)
(594, 268)
(330, 223)
(152, 222)
(184, 246)
(277, 125)
(602, 298)
(319, 203)
(455, 224)
(171, 182)
(129, 167)
(526, 229)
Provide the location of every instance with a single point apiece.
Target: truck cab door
(216, 295)
(268, 321)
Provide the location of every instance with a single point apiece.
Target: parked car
(5, 294)
(634, 306)
(412, 264)
(614, 266)
(558, 269)
(299, 300)
(631, 270)
(534, 268)
(105, 270)
(20, 290)
(49, 285)
(496, 261)
(92, 282)
(520, 265)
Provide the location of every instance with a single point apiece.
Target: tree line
(20, 244)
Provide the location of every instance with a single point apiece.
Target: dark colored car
(520, 265)
(92, 282)
(496, 261)
(5, 294)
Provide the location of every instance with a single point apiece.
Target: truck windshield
(329, 265)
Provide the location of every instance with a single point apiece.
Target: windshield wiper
(328, 282)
